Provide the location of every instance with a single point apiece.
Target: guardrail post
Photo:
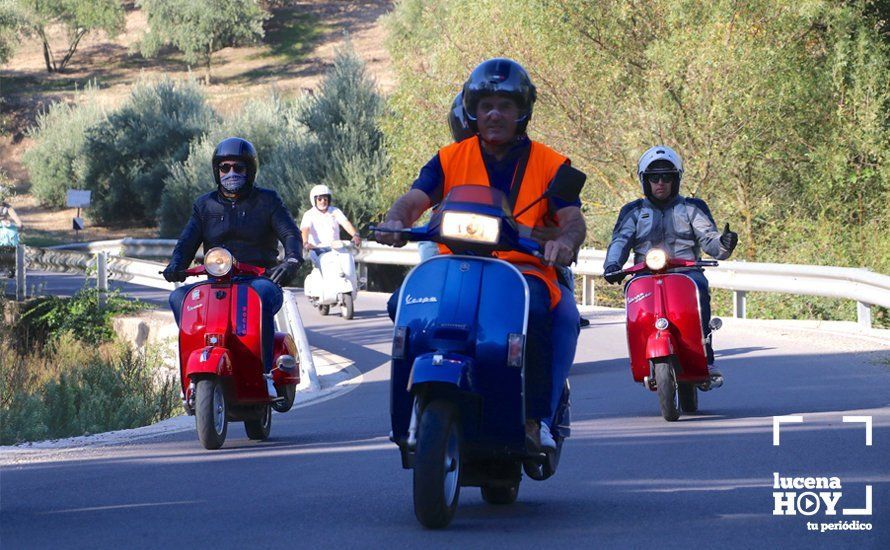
(738, 304)
(588, 296)
(863, 314)
(21, 291)
(102, 277)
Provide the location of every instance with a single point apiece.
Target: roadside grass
(63, 373)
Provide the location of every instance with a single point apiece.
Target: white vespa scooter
(336, 283)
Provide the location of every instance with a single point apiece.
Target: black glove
(613, 274)
(282, 273)
(729, 239)
(173, 275)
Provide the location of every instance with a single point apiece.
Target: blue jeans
(566, 327)
(271, 297)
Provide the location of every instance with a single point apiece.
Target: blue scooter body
(458, 313)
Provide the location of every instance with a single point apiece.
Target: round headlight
(218, 262)
(656, 259)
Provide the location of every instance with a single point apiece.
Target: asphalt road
(329, 477)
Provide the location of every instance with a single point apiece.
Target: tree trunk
(47, 52)
(71, 48)
(207, 68)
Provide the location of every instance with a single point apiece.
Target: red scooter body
(672, 296)
(220, 342)
(664, 333)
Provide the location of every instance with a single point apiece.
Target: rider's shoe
(533, 435)
(547, 441)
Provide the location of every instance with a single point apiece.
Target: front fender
(209, 360)
(659, 344)
(448, 368)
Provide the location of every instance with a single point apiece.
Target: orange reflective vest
(462, 164)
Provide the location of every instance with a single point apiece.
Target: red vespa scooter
(220, 353)
(664, 332)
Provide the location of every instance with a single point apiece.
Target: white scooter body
(336, 283)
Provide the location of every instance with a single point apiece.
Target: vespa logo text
(409, 300)
(638, 297)
(194, 307)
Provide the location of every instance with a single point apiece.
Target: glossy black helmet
(235, 148)
(457, 119)
(503, 77)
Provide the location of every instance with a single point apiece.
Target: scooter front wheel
(437, 465)
(666, 382)
(210, 413)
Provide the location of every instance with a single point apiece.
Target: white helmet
(317, 191)
(660, 153)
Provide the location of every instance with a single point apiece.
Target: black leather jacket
(249, 227)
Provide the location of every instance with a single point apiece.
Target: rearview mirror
(567, 183)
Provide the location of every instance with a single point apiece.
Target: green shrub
(76, 389)
(127, 156)
(46, 318)
(56, 160)
(332, 137)
(271, 125)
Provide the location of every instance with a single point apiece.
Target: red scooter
(220, 353)
(664, 332)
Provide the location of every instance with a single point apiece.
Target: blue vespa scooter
(458, 357)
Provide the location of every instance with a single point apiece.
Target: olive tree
(198, 28)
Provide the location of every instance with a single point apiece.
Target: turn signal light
(515, 349)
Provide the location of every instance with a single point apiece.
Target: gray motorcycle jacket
(683, 228)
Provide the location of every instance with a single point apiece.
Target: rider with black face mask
(681, 226)
(249, 222)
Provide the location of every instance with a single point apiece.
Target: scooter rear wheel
(210, 413)
(437, 465)
(688, 394)
(324, 309)
(666, 381)
(346, 310)
(259, 428)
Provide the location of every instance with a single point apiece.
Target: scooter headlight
(656, 259)
(464, 226)
(218, 262)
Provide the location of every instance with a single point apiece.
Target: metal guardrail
(865, 287)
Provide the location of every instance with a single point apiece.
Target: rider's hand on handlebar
(557, 252)
(613, 274)
(394, 239)
(357, 240)
(173, 275)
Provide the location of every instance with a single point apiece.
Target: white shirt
(324, 227)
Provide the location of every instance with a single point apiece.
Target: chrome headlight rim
(656, 259)
(218, 261)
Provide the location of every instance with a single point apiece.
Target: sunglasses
(325, 197)
(668, 177)
(239, 167)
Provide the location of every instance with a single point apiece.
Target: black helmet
(500, 76)
(457, 119)
(235, 148)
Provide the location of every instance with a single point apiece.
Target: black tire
(347, 309)
(437, 486)
(289, 393)
(500, 495)
(666, 381)
(259, 428)
(688, 395)
(324, 309)
(210, 413)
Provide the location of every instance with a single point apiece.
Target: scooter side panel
(285, 345)
(681, 293)
(193, 325)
